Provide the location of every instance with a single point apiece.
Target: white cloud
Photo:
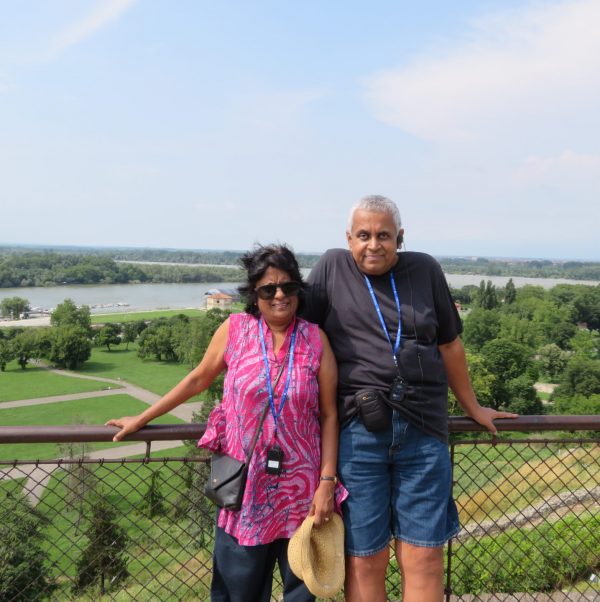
(524, 70)
(569, 165)
(104, 13)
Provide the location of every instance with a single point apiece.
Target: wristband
(334, 480)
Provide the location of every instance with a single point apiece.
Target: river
(106, 298)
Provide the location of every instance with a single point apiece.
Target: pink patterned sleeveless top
(274, 506)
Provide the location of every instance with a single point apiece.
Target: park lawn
(158, 377)
(34, 381)
(144, 315)
(94, 410)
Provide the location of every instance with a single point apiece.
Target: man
(394, 461)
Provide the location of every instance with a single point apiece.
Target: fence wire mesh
(530, 511)
(140, 529)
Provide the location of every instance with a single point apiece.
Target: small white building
(219, 300)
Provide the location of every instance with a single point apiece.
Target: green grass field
(144, 315)
(35, 381)
(95, 410)
(158, 377)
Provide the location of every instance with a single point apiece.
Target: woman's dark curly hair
(256, 263)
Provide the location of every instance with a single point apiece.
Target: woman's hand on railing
(127, 424)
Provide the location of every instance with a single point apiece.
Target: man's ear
(400, 238)
(348, 237)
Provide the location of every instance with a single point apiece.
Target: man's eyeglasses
(268, 291)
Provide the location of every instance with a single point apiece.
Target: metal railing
(139, 528)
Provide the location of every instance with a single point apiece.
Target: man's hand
(486, 416)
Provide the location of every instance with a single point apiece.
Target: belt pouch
(375, 414)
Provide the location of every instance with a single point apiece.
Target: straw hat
(316, 555)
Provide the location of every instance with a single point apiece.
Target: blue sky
(196, 124)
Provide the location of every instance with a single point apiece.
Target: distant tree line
(53, 269)
(535, 268)
(38, 266)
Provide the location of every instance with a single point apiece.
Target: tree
(7, 353)
(153, 500)
(481, 326)
(68, 314)
(507, 361)
(585, 301)
(13, 307)
(131, 331)
(483, 382)
(69, 346)
(156, 341)
(103, 561)
(586, 343)
(24, 573)
(81, 481)
(581, 377)
(25, 347)
(552, 361)
(523, 397)
(555, 323)
(486, 297)
(510, 292)
(577, 405)
(108, 335)
(520, 330)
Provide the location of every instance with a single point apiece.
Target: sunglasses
(268, 291)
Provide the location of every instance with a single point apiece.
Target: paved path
(39, 475)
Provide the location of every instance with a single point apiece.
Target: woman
(300, 428)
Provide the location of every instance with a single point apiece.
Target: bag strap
(264, 414)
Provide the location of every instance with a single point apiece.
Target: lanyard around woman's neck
(396, 345)
(277, 413)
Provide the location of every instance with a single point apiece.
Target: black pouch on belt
(375, 413)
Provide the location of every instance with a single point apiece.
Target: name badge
(274, 460)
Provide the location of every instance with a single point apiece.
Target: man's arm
(455, 362)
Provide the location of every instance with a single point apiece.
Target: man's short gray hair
(377, 204)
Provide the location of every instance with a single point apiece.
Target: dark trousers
(245, 573)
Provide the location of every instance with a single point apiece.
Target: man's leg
(422, 572)
(363, 467)
(365, 577)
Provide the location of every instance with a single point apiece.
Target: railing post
(448, 589)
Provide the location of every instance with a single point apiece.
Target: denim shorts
(399, 484)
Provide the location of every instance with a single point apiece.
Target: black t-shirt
(339, 301)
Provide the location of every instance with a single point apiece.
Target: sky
(216, 125)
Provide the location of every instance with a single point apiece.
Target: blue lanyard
(277, 413)
(396, 346)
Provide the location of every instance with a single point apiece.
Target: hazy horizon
(43, 246)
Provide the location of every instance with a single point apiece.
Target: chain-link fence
(140, 529)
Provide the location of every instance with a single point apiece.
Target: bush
(542, 559)
(24, 574)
